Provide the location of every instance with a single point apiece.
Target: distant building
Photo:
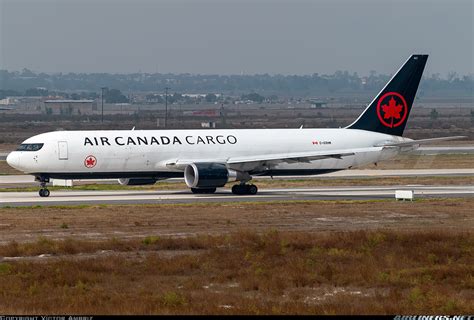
(8, 101)
(199, 95)
(317, 103)
(70, 107)
(24, 103)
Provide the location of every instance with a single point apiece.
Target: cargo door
(62, 147)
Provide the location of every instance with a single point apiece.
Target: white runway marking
(101, 196)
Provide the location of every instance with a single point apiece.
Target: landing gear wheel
(242, 189)
(236, 189)
(252, 189)
(44, 193)
(203, 190)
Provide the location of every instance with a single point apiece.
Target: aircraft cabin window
(30, 147)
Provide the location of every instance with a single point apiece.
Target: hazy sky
(234, 37)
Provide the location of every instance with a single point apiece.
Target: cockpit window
(30, 147)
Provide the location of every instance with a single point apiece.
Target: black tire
(238, 189)
(209, 190)
(46, 193)
(203, 190)
(242, 189)
(41, 193)
(252, 189)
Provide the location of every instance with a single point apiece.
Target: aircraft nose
(13, 159)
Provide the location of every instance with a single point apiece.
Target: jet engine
(210, 175)
(137, 181)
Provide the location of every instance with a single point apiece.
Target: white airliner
(210, 158)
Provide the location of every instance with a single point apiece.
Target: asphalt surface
(224, 195)
(13, 181)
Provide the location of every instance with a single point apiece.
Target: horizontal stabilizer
(422, 141)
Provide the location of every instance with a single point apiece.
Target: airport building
(69, 107)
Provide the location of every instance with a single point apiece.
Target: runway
(27, 180)
(224, 195)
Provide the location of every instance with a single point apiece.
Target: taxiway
(27, 180)
(224, 195)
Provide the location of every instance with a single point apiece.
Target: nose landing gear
(43, 192)
(243, 188)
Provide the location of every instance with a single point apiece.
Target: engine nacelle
(206, 175)
(137, 181)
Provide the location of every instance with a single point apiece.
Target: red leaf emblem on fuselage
(90, 161)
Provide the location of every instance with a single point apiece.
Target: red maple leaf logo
(90, 161)
(392, 110)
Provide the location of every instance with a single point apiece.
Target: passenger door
(62, 147)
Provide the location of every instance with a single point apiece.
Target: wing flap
(300, 156)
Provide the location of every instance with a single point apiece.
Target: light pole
(102, 90)
(166, 106)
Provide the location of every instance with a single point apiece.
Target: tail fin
(388, 112)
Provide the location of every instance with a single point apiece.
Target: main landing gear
(43, 192)
(203, 190)
(242, 188)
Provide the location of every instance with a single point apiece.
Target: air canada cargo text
(161, 140)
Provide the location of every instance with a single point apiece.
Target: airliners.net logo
(433, 318)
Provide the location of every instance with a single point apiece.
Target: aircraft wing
(290, 157)
(421, 141)
(255, 160)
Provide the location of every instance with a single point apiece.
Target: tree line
(264, 84)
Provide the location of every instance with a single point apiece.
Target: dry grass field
(102, 222)
(359, 272)
(439, 161)
(6, 169)
(310, 257)
(452, 119)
